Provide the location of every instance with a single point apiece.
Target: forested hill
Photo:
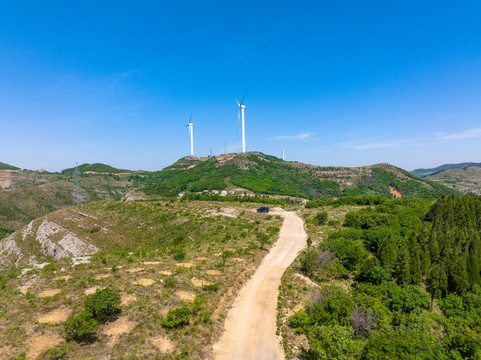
(4, 166)
(426, 172)
(96, 168)
(263, 174)
(416, 283)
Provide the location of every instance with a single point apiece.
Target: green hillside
(4, 166)
(95, 168)
(263, 174)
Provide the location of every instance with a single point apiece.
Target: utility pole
(76, 188)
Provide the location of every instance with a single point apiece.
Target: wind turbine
(282, 153)
(191, 133)
(241, 111)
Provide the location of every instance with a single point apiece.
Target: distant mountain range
(421, 173)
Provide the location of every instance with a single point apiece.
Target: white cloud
(299, 137)
(466, 134)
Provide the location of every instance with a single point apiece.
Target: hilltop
(97, 168)
(4, 166)
(426, 172)
(257, 173)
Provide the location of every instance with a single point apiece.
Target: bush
(176, 318)
(330, 342)
(80, 327)
(179, 255)
(373, 272)
(320, 218)
(402, 344)
(103, 304)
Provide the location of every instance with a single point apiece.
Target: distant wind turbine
(282, 153)
(191, 133)
(241, 111)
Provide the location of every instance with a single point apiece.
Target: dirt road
(250, 327)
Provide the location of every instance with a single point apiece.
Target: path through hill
(250, 327)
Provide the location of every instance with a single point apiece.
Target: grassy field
(189, 254)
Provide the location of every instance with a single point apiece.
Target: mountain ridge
(431, 171)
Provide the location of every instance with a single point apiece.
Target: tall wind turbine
(191, 133)
(241, 111)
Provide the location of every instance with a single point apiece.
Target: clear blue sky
(343, 83)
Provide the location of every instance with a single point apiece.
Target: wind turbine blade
(237, 102)
(242, 101)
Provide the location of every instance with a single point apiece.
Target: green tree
(80, 327)
(388, 252)
(331, 342)
(437, 282)
(103, 304)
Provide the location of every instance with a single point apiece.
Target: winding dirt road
(250, 327)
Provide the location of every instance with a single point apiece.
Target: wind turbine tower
(282, 153)
(241, 114)
(191, 133)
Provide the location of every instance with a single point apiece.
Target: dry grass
(24, 317)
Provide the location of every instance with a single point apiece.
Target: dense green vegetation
(406, 259)
(4, 166)
(263, 174)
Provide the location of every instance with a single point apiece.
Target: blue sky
(344, 83)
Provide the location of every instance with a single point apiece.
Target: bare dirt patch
(42, 343)
(395, 192)
(49, 293)
(135, 270)
(144, 282)
(91, 290)
(167, 273)
(213, 272)
(152, 262)
(163, 343)
(128, 299)
(199, 283)
(201, 258)
(186, 265)
(119, 327)
(24, 288)
(102, 276)
(186, 295)
(55, 317)
(307, 280)
(238, 259)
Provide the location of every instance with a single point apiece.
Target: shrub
(373, 272)
(210, 288)
(103, 304)
(176, 318)
(320, 218)
(179, 255)
(331, 342)
(80, 327)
